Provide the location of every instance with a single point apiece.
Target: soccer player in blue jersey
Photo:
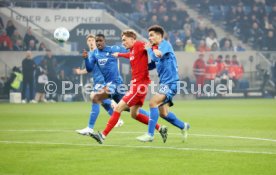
(98, 83)
(163, 55)
(108, 65)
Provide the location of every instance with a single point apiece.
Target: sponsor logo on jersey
(102, 61)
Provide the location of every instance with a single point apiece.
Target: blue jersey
(166, 66)
(96, 73)
(107, 64)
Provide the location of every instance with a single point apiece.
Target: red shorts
(136, 95)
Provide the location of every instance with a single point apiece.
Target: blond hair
(90, 36)
(129, 33)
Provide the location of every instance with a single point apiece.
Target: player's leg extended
(154, 111)
(154, 114)
(106, 104)
(99, 137)
(94, 113)
(170, 117)
(135, 112)
(96, 99)
(115, 117)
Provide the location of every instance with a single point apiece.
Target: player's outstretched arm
(89, 62)
(124, 55)
(79, 71)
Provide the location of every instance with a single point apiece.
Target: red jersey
(138, 58)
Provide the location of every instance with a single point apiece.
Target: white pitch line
(122, 132)
(137, 146)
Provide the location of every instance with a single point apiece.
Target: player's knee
(152, 104)
(163, 114)
(118, 108)
(96, 99)
(133, 114)
(92, 96)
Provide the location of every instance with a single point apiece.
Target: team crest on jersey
(102, 61)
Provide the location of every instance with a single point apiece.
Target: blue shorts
(116, 91)
(169, 90)
(98, 86)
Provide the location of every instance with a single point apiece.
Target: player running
(98, 83)
(163, 55)
(135, 97)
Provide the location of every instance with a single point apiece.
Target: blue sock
(107, 106)
(154, 114)
(95, 110)
(142, 111)
(174, 120)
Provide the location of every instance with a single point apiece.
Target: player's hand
(116, 54)
(148, 46)
(84, 54)
(77, 71)
(157, 53)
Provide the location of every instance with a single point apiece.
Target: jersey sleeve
(124, 55)
(120, 49)
(90, 63)
(152, 55)
(165, 48)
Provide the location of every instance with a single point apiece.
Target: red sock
(145, 119)
(111, 122)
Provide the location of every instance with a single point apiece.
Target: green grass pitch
(226, 137)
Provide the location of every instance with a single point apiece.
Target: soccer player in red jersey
(135, 97)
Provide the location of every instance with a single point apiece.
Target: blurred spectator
(177, 40)
(15, 79)
(28, 68)
(203, 47)
(153, 20)
(166, 23)
(226, 38)
(200, 32)
(5, 42)
(42, 47)
(175, 23)
(188, 36)
(227, 62)
(272, 15)
(199, 71)
(220, 65)
(256, 12)
(190, 46)
(255, 35)
(243, 28)
(269, 42)
(210, 69)
(42, 79)
(10, 28)
(31, 46)
(29, 36)
(18, 45)
(235, 71)
(226, 46)
(231, 19)
(16, 36)
(51, 65)
(211, 39)
(215, 47)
